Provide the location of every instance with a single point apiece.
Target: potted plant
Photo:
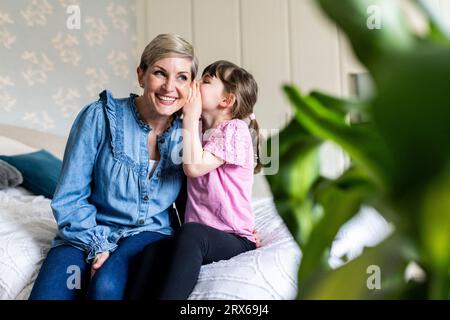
(399, 144)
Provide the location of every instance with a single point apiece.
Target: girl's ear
(228, 100)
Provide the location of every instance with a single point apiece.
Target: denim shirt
(104, 192)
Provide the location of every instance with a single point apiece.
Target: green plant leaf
(343, 106)
(299, 154)
(362, 142)
(357, 279)
(435, 231)
(412, 112)
(340, 200)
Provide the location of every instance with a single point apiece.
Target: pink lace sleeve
(232, 142)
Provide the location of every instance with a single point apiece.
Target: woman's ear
(140, 75)
(228, 100)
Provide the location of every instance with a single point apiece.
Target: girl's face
(213, 92)
(166, 84)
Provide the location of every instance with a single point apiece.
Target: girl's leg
(197, 244)
(109, 282)
(62, 275)
(146, 281)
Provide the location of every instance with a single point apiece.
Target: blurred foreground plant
(400, 151)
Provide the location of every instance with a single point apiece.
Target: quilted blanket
(27, 227)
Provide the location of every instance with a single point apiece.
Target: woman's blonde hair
(241, 83)
(168, 45)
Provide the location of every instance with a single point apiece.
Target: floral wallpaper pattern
(49, 70)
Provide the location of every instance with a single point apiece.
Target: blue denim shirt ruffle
(104, 192)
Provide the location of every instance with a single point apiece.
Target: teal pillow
(40, 171)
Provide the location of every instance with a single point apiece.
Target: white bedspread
(27, 227)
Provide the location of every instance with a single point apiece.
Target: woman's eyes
(160, 73)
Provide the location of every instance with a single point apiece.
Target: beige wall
(278, 41)
(50, 68)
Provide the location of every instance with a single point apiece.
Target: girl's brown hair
(241, 83)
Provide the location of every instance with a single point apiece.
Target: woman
(121, 175)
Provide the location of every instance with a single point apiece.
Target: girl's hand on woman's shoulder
(193, 106)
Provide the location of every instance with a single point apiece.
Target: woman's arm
(75, 216)
(196, 161)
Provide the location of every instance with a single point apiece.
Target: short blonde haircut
(168, 45)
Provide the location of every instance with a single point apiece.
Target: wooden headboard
(36, 139)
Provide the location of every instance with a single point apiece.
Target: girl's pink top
(222, 198)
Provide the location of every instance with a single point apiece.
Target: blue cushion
(40, 171)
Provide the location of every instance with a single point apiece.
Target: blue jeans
(64, 275)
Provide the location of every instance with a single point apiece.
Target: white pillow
(11, 147)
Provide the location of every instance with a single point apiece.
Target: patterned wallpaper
(57, 55)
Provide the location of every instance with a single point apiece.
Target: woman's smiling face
(166, 84)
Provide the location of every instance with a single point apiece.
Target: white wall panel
(265, 53)
(349, 64)
(168, 16)
(315, 48)
(445, 10)
(216, 31)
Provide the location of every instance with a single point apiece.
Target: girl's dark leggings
(169, 269)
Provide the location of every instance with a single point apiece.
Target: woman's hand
(99, 260)
(193, 106)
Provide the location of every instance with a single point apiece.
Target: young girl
(219, 220)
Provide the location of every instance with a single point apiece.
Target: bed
(27, 227)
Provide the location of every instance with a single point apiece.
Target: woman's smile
(165, 99)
